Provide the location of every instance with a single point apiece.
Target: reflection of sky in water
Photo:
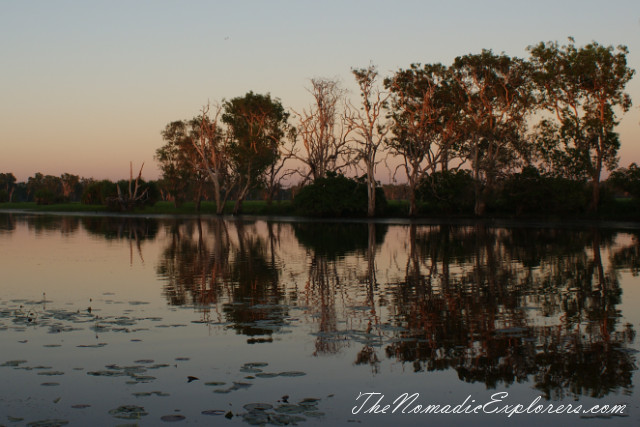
(128, 310)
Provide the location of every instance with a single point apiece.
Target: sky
(87, 86)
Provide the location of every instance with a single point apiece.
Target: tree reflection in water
(499, 306)
(477, 312)
(134, 229)
(329, 277)
(204, 265)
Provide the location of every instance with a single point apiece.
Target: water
(115, 321)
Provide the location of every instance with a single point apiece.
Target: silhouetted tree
(496, 102)
(582, 87)
(257, 126)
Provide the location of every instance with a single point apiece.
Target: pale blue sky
(87, 86)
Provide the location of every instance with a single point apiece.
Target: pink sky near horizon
(87, 87)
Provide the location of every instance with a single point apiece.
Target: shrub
(336, 195)
(529, 192)
(45, 197)
(627, 180)
(447, 192)
(97, 193)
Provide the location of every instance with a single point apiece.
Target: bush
(4, 196)
(97, 193)
(447, 192)
(529, 192)
(46, 197)
(627, 180)
(336, 196)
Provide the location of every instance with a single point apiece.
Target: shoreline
(489, 221)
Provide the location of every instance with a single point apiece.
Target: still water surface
(116, 321)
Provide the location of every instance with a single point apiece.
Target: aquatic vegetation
(128, 412)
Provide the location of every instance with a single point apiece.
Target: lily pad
(256, 418)
(48, 423)
(150, 393)
(267, 375)
(106, 373)
(290, 409)
(250, 370)
(128, 412)
(257, 406)
(285, 420)
(213, 412)
(292, 374)
(13, 362)
(173, 418)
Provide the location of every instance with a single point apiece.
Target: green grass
(59, 207)
(619, 209)
(250, 207)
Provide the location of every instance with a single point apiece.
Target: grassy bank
(618, 210)
(250, 207)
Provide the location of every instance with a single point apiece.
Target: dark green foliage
(336, 196)
(447, 192)
(4, 196)
(153, 192)
(529, 192)
(627, 180)
(97, 193)
(45, 196)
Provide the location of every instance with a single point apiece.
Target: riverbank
(396, 213)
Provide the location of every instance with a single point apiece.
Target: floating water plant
(128, 412)
(173, 418)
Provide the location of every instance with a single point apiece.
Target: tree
(175, 170)
(44, 189)
(257, 126)
(369, 127)
(135, 195)
(8, 185)
(322, 131)
(211, 145)
(582, 87)
(424, 111)
(196, 150)
(179, 161)
(627, 180)
(275, 174)
(70, 184)
(497, 99)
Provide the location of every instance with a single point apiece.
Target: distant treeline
(486, 134)
(525, 193)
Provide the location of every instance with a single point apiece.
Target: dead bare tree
(369, 127)
(209, 141)
(276, 173)
(131, 199)
(322, 130)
